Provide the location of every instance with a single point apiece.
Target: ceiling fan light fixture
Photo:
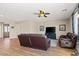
(41, 15)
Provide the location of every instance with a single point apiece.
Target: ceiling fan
(42, 14)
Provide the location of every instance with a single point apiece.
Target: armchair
(68, 41)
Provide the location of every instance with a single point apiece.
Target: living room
(21, 26)
(23, 18)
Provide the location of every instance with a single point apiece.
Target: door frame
(6, 36)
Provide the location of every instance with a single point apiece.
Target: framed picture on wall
(62, 27)
(41, 28)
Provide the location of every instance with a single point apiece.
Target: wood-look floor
(11, 47)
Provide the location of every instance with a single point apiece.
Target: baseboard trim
(13, 38)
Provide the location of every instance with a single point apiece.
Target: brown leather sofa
(68, 41)
(34, 40)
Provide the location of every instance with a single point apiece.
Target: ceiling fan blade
(45, 16)
(47, 13)
(41, 13)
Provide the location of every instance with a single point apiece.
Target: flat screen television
(50, 29)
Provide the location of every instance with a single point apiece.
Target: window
(76, 23)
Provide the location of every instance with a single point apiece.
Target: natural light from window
(76, 23)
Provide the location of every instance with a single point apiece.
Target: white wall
(33, 27)
(54, 24)
(13, 31)
(25, 27)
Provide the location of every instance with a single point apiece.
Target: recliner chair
(68, 41)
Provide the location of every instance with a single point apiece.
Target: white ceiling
(25, 11)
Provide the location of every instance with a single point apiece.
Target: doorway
(6, 30)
